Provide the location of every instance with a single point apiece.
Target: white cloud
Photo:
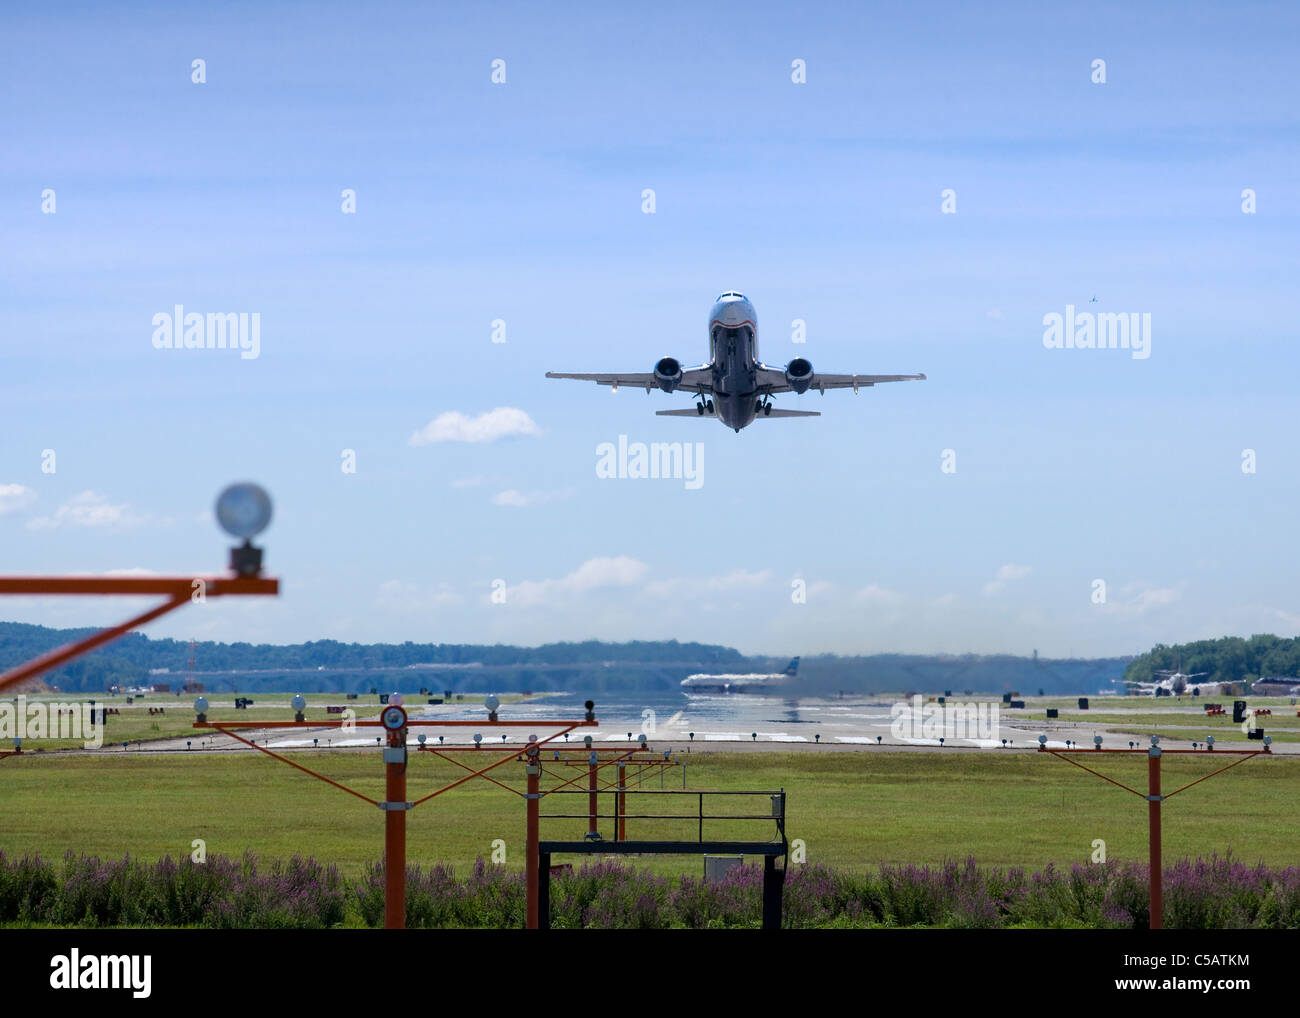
(519, 499)
(594, 574)
(994, 314)
(15, 496)
(1007, 574)
(1139, 598)
(467, 482)
(691, 586)
(89, 509)
(454, 426)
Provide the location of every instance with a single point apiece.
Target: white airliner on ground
(753, 683)
(734, 386)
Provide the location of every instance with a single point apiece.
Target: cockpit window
(731, 293)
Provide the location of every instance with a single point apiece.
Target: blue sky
(522, 202)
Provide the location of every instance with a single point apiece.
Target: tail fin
(792, 667)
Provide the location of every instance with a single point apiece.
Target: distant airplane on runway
(740, 683)
(734, 386)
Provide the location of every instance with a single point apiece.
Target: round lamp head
(395, 699)
(1209, 740)
(421, 738)
(243, 510)
(1042, 740)
(298, 702)
(1155, 740)
(477, 738)
(1096, 739)
(201, 705)
(393, 718)
(492, 702)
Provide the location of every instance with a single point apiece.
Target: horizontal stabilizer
(706, 416)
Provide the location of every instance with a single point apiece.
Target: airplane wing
(772, 380)
(775, 413)
(693, 379)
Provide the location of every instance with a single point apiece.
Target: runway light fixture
(299, 704)
(200, 708)
(477, 739)
(1096, 741)
(817, 737)
(244, 510)
(1004, 743)
(753, 736)
(421, 738)
(879, 739)
(315, 743)
(692, 735)
(1155, 740)
(641, 739)
(1209, 742)
(439, 740)
(187, 745)
(1268, 740)
(586, 741)
(1042, 740)
(491, 702)
(590, 706)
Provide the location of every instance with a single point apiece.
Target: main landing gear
(764, 407)
(703, 407)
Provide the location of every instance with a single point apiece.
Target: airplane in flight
(734, 386)
(740, 683)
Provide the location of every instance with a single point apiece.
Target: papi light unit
(243, 510)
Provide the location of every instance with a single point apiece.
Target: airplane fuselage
(733, 349)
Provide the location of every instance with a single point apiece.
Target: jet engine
(668, 374)
(799, 375)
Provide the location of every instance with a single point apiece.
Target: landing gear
(699, 409)
(708, 406)
(764, 407)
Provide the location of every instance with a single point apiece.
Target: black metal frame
(773, 878)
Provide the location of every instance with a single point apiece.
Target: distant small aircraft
(734, 377)
(1094, 299)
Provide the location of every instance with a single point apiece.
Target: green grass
(851, 809)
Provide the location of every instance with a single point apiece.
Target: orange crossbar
(177, 589)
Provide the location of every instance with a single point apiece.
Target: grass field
(851, 809)
(174, 716)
